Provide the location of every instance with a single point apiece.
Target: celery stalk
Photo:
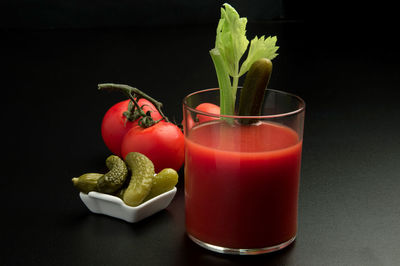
(227, 99)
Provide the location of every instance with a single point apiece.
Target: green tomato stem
(131, 93)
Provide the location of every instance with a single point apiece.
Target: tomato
(204, 107)
(189, 124)
(114, 125)
(162, 143)
(208, 108)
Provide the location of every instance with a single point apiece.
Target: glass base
(241, 251)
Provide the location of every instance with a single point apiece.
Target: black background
(45, 14)
(342, 60)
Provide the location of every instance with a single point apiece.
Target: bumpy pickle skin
(164, 181)
(115, 178)
(139, 187)
(86, 182)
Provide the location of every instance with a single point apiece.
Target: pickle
(139, 187)
(163, 182)
(120, 193)
(252, 93)
(115, 178)
(86, 182)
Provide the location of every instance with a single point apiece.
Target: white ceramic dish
(113, 206)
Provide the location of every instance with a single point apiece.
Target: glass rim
(301, 108)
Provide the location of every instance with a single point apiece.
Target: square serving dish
(113, 206)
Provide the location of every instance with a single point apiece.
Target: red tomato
(208, 108)
(189, 124)
(162, 143)
(113, 126)
(205, 107)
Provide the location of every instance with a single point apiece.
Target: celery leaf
(231, 38)
(259, 48)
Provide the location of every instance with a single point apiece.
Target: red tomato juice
(241, 184)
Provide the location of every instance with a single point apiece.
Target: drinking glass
(242, 174)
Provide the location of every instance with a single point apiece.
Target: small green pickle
(86, 182)
(139, 187)
(163, 182)
(120, 193)
(115, 178)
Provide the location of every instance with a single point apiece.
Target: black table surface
(349, 204)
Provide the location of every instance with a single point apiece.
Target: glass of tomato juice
(242, 174)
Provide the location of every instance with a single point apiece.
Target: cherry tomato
(205, 107)
(188, 124)
(208, 108)
(162, 143)
(114, 125)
